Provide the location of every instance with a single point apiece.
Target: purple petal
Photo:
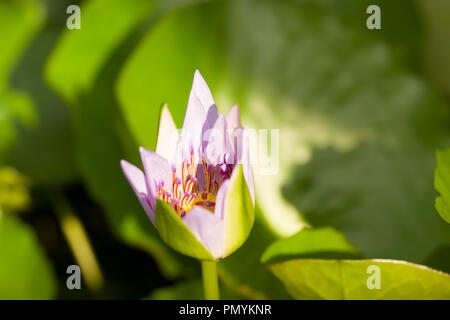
(167, 135)
(136, 179)
(233, 118)
(219, 142)
(208, 229)
(201, 90)
(157, 170)
(220, 199)
(201, 107)
(211, 118)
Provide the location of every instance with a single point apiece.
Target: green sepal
(176, 234)
(238, 212)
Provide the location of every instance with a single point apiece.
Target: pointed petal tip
(199, 82)
(164, 107)
(164, 111)
(125, 165)
(145, 154)
(197, 73)
(143, 151)
(167, 134)
(135, 177)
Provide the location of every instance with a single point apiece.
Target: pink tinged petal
(208, 229)
(219, 210)
(201, 114)
(219, 142)
(136, 179)
(167, 135)
(157, 170)
(211, 117)
(233, 118)
(201, 90)
(194, 120)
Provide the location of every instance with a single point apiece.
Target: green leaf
(19, 20)
(44, 150)
(317, 243)
(25, 272)
(348, 279)
(15, 108)
(315, 264)
(80, 54)
(442, 183)
(162, 68)
(436, 48)
(176, 234)
(370, 191)
(14, 190)
(238, 212)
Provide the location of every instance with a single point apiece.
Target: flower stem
(210, 283)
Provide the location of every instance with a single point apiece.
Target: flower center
(186, 189)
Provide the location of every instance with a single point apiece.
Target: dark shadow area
(129, 273)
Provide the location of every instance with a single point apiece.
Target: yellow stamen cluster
(185, 192)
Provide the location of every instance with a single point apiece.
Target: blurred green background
(361, 114)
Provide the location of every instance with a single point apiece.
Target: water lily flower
(197, 188)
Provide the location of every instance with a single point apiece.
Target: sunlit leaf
(81, 53)
(318, 243)
(322, 264)
(348, 279)
(162, 67)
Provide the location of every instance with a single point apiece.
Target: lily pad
(317, 243)
(348, 279)
(311, 266)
